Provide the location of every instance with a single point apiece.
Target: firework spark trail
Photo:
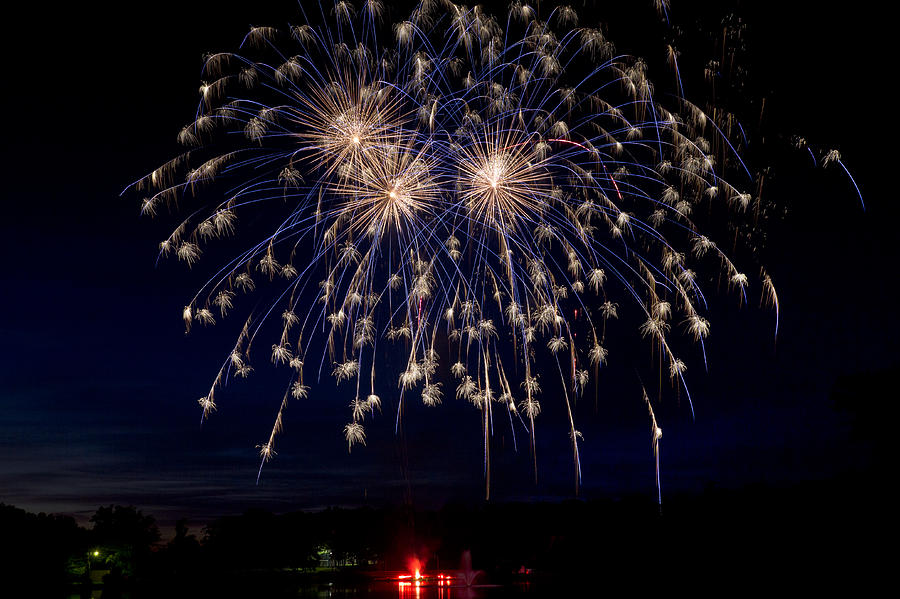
(655, 436)
(444, 171)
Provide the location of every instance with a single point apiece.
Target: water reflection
(446, 588)
(423, 589)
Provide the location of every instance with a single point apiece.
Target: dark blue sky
(98, 384)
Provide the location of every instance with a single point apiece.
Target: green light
(96, 553)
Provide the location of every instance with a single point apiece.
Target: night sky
(99, 384)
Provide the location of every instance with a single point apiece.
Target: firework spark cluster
(474, 193)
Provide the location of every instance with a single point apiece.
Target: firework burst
(462, 187)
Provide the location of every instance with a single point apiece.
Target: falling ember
(454, 188)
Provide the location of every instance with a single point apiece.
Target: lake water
(397, 590)
(385, 589)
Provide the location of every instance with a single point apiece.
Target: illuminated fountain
(466, 573)
(417, 578)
